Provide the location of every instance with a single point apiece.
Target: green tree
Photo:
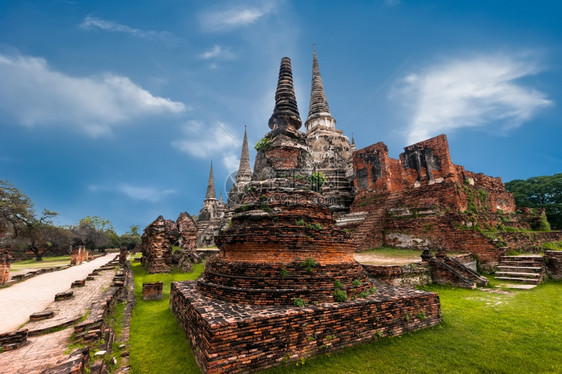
(540, 192)
(96, 232)
(19, 220)
(132, 238)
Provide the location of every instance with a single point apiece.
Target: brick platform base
(229, 337)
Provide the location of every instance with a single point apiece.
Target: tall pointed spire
(319, 111)
(286, 112)
(244, 169)
(318, 102)
(211, 194)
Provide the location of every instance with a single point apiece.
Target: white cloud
(32, 94)
(142, 193)
(471, 92)
(217, 52)
(233, 18)
(210, 141)
(91, 22)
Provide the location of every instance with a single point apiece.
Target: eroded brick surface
(553, 260)
(228, 337)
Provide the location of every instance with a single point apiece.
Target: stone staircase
(521, 269)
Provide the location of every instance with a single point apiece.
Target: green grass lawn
(482, 332)
(46, 263)
(157, 344)
(400, 253)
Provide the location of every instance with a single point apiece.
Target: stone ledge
(66, 295)
(45, 314)
(228, 337)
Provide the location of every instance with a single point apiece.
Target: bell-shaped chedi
(286, 113)
(285, 272)
(283, 150)
(282, 243)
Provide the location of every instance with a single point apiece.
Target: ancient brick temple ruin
(79, 255)
(417, 200)
(5, 261)
(161, 235)
(212, 216)
(285, 284)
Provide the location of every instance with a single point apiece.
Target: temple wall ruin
(422, 199)
(4, 266)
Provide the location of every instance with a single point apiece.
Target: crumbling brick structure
(424, 199)
(152, 291)
(282, 251)
(4, 266)
(156, 248)
(79, 255)
(159, 237)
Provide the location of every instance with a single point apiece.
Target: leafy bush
(338, 285)
(309, 264)
(356, 282)
(317, 180)
(340, 296)
(263, 144)
(299, 302)
(314, 226)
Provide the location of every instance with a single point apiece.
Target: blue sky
(110, 108)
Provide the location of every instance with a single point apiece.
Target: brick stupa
(285, 284)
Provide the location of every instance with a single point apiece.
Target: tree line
(540, 192)
(22, 229)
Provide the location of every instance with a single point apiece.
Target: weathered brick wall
(411, 275)
(257, 337)
(276, 284)
(529, 241)
(553, 260)
(428, 161)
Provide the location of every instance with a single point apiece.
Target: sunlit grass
(482, 332)
(157, 343)
(47, 262)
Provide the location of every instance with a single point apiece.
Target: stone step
(518, 274)
(520, 263)
(536, 269)
(522, 280)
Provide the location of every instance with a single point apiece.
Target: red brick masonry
(228, 337)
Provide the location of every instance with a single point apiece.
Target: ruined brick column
(5, 261)
(79, 255)
(122, 256)
(156, 247)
